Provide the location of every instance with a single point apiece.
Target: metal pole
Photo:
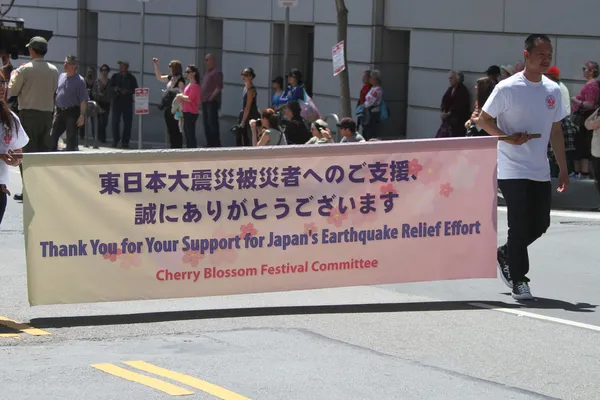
(286, 40)
(143, 22)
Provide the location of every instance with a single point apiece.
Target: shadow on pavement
(542, 303)
(167, 316)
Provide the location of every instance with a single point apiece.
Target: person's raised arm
(157, 73)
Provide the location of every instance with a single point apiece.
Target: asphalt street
(438, 340)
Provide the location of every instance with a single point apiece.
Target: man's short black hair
(531, 41)
(40, 53)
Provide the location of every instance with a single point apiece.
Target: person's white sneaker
(521, 291)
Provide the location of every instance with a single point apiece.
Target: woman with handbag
(593, 123)
(175, 85)
(372, 121)
(583, 106)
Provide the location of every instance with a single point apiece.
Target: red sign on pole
(142, 101)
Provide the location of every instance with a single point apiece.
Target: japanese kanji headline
(169, 224)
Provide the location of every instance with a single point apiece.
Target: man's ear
(525, 54)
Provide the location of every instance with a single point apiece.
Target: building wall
(470, 35)
(414, 44)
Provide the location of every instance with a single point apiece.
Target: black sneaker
(18, 197)
(503, 267)
(521, 291)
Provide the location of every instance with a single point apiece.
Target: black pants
(122, 108)
(372, 129)
(189, 127)
(243, 135)
(3, 201)
(38, 125)
(596, 171)
(528, 203)
(103, 122)
(65, 120)
(175, 137)
(210, 119)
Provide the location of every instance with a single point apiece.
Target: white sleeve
(561, 110)
(496, 104)
(21, 139)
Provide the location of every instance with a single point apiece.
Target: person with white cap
(506, 71)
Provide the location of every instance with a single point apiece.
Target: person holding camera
(123, 84)
(265, 132)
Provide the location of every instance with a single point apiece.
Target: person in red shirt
(364, 91)
(366, 87)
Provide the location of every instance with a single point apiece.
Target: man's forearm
(214, 94)
(557, 140)
(490, 126)
(83, 108)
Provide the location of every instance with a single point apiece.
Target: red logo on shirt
(7, 138)
(550, 102)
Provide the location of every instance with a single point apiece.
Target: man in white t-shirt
(526, 104)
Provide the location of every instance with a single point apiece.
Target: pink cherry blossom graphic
(223, 256)
(248, 230)
(170, 261)
(388, 188)
(192, 258)
(414, 168)
(336, 217)
(130, 260)
(359, 219)
(432, 171)
(113, 257)
(446, 189)
(311, 228)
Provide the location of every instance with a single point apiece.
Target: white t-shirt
(11, 141)
(523, 106)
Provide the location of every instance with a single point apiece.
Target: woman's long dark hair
(194, 68)
(7, 118)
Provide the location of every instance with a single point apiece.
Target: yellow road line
(196, 383)
(7, 335)
(154, 383)
(22, 327)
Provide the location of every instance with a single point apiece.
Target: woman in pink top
(584, 104)
(191, 105)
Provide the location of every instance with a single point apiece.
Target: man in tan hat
(35, 83)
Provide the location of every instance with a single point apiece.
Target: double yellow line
(164, 386)
(17, 326)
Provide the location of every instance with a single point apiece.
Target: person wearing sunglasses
(191, 105)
